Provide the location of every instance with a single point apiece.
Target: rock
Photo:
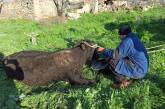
(120, 3)
(75, 5)
(71, 15)
(86, 9)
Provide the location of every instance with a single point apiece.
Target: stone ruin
(66, 9)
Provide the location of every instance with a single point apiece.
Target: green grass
(101, 28)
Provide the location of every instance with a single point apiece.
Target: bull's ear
(82, 46)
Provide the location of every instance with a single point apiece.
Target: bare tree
(60, 5)
(1, 4)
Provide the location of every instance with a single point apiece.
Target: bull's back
(25, 54)
(39, 68)
(14, 64)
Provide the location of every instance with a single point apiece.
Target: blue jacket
(133, 57)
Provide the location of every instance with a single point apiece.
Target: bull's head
(88, 47)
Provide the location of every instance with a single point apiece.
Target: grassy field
(101, 28)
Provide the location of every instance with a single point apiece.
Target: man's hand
(100, 49)
(104, 53)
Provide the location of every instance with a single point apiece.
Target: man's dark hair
(124, 30)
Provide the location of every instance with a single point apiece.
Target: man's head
(124, 31)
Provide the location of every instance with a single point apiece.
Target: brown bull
(36, 68)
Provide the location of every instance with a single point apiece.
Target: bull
(38, 68)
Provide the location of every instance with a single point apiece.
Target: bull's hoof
(92, 82)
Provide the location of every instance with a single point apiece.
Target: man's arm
(104, 53)
(123, 49)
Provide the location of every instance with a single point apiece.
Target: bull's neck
(82, 54)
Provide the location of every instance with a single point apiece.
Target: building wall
(44, 9)
(17, 9)
(28, 9)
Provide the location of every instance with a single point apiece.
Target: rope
(155, 47)
(155, 51)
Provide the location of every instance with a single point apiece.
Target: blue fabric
(133, 50)
(107, 53)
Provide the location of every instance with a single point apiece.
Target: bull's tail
(12, 69)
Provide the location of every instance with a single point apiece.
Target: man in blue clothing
(129, 60)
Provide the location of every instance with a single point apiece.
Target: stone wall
(17, 9)
(66, 9)
(44, 9)
(28, 9)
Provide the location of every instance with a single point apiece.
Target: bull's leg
(90, 81)
(80, 80)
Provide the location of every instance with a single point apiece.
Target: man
(128, 61)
